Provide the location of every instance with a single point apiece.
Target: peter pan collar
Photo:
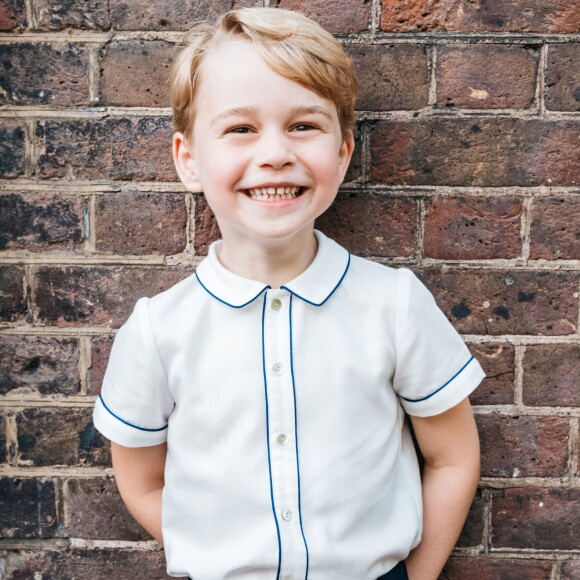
(315, 285)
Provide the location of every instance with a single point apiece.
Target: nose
(274, 150)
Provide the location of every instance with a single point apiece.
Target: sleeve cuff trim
(127, 422)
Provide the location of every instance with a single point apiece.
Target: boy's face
(267, 152)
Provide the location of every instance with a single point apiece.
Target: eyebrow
(243, 111)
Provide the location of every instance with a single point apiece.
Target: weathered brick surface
(354, 170)
(27, 508)
(3, 442)
(391, 77)
(536, 518)
(90, 15)
(12, 300)
(551, 375)
(141, 223)
(392, 232)
(570, 570)
(507, 302)
(472, 533)
(563, 77)
(45, 365)
(498, 363)
(96, 511)
(12, 15)
(488, 152)
(99, 295)
(136, 73)
(473, 228)
(11, 148)
(206, 227)
(120, 148)
(491, 16)
(461, 568)
(523, 446)
(61, 80)
(555, 230)
(39, 222)
(100, 351)
(486, 76)
(55, 436)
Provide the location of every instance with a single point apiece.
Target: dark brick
(555, 229)
(41, 221)
(355, 167)
(12, 14)
(482, 568)
(517, 302)
(206, 227)
(543, 519)
(136, 73)
(473, 228)
(84, 14)
(27, 508)
(551, 375)
(96, 512)
(472, 533)
(86, 564)
(523, 446)
(570, 570)
(372, 226)
(391, 77)
(338, 16)
(489, 16)
(101, 349)
(563, 77)
(486, 76)
(44, 365)
(498, 362)
(60, 436)
(119, 148)
(61, 80)
(3, 442)
(171, 15)
(488, 152)
(141, 223)
(11, 149)
(99, 295)
(12, 300)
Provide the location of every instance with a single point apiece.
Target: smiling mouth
(274, 193)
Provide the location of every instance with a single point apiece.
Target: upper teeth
(273, 193)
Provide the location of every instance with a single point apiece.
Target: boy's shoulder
(373, 275)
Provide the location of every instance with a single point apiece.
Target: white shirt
(288, 451)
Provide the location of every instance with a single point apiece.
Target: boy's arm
(450, 445)
(139, 473)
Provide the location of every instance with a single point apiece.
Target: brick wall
(467, 170)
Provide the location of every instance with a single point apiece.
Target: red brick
(472, 533)
(206, 227)
(543, 519)
(338, 16)
(523, 446)
(84, 14)
(12, 15)
(101, 349)
(489, 16)
(141, 223)
(170, 15)
(473, 228)
(100, 295)
(96, 512)
(12, 299)
(40, 222)
(27, 508)
(391, 77)
(498, 362)
(516, 302)
(372, 226)
(136, 73)
(570, 570)
(486, 76)
(483, 568)
(60, 436)
(61, 80)
(354, 170)
(35, 364)
(563, 77)
(555, 229)
(114, 148)
(487, 152)
(551, 375)
(11, 149)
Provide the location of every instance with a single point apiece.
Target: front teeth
(273, 193)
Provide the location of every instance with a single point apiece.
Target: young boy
(257, 408)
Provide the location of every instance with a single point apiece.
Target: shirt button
(276, 304)
(277, 368)
(286, 515)
(282, 439)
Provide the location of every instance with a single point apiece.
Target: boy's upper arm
(138, 470)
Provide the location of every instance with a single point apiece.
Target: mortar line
(543, 63)
(519, 376)
(573, 451)
(432, 64)
(11, 439)
(94, 73)
(486, 536)
(85, 363)
(420, 236)
(525, 229)
(375, 18)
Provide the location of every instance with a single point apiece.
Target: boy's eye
(304, 127)
(241, 130)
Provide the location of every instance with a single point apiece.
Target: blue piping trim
(227, 303)
(441, 387)
(268, 441)
(127, 422)
(333, 290)
(296, 436)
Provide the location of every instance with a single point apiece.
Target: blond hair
(294, 46)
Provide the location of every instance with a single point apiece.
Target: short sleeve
(135, 403)
(434, 370)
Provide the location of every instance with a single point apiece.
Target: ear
(185, 163)
(345, 153)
